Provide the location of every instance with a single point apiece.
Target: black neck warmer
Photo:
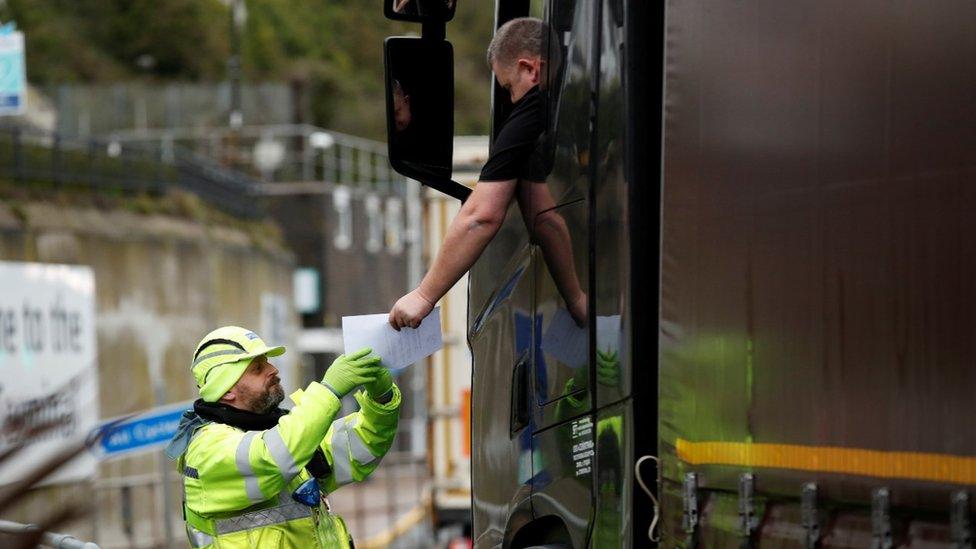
(242, 419)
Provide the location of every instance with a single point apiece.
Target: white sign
(397, 349)
(305, 282)
(13, 74)
(48, 368)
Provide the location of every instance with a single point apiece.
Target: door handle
(520, 394)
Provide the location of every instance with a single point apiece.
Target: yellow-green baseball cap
(222, 356)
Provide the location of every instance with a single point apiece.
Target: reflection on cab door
(562, 349)
(500, 335)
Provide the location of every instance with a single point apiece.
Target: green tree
(332, 49)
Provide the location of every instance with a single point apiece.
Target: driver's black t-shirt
(511, 153)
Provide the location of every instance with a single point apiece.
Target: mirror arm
(436, 31)
(433, 30)
(449, 187)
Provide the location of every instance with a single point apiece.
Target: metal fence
(39, 157)
(98, 109)
(280, 153)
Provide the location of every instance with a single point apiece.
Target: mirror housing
(420, 11)
(420, 111)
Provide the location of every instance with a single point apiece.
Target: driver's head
(516, 55)
(401, 107)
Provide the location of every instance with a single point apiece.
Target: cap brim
(266, 351)
(274, 351)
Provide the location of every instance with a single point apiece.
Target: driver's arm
(469, 233)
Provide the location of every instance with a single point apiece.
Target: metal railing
(31, 156)
(48, 539)
(94, 109)
(281, 152)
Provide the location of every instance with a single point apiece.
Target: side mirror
(420, 111)
(419, 11)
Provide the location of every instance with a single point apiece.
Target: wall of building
(357, 276)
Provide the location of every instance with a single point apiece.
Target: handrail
(35, 155)
(49, 539)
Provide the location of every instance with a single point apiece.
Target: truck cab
(550, 316)
(767, 207)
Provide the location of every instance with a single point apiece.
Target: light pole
(238, 16)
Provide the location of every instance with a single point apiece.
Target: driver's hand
(410, 310)
(577, 309)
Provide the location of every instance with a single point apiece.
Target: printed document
(397, 349)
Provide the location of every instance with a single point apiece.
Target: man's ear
(230, 396)
(533, 66)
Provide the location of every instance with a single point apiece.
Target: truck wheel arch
(544, 532)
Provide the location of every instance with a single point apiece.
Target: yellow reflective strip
(829, 459)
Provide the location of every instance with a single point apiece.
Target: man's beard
(267, 400)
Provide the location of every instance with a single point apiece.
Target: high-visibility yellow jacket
(238, 484)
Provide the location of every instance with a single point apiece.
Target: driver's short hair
(517, 38)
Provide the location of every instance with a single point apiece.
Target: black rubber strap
(218, 341)
(318, 466)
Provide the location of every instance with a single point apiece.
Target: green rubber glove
(607, 368)
(348, 372)
(573, 400)
(381, 387)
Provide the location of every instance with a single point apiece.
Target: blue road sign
(13, 78)
(147, 431)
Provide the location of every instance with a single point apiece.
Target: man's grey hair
(521, 37)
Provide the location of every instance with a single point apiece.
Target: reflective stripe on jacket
(238, 484)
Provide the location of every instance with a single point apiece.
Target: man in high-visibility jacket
(255, 475)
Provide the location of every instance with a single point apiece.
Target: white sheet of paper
(566, 341)
(608, 333)
(397, 349)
